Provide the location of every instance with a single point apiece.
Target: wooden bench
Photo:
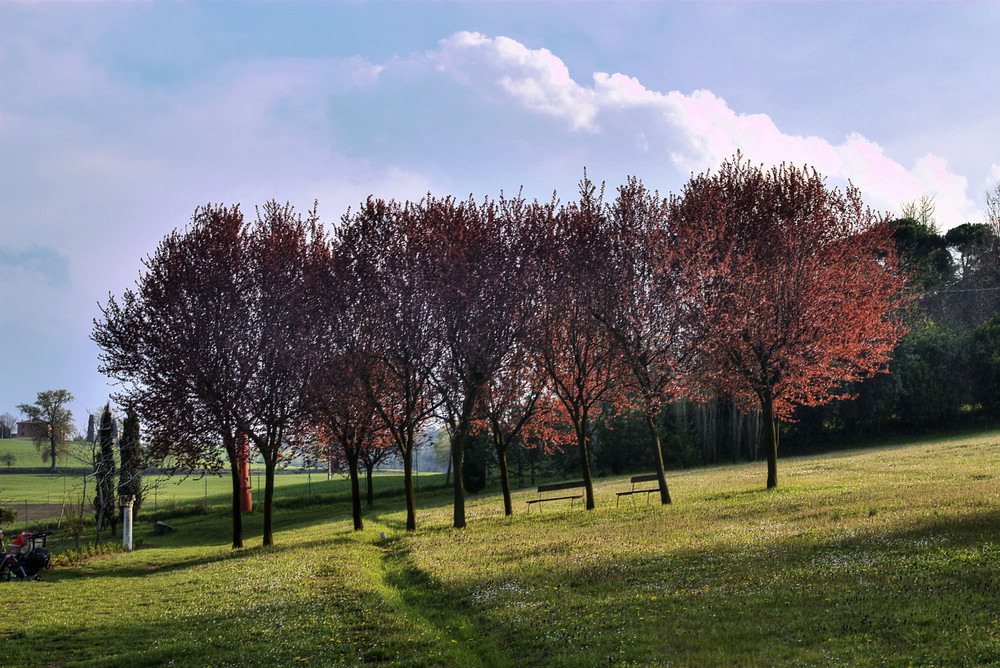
(639, 479)
(558, 487)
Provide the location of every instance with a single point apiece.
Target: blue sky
(118, 119)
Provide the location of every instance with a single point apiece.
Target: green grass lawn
(887, 556)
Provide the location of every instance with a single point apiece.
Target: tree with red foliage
(639, 305)
(394, 341)
(509, 404)
(218, 340)
(344, 424)
(794, 287)
(477, 273)
(287, 259)
(174, 343)
(574, 350)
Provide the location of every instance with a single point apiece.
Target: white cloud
(698, 130)
(993, 178)
(535, 78)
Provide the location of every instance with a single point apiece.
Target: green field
(27, 456)
(48, 488)
(887, 556)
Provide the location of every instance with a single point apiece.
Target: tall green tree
(50, 408)
(130, 457)
(923, 254)
(7, 424)
(928, 367)
(984, 353)
(104, 472)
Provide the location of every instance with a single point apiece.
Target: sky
(119, 119)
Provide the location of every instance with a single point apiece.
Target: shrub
(89, 551)
(7, 515)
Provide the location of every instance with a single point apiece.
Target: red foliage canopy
(793, 285)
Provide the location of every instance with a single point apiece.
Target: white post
(126, 504)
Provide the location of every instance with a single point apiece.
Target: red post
(246, 501)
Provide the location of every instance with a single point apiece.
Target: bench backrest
(645, 478)
(560, 485)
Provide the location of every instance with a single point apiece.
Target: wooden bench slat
(554, 487)
(649, 477)
(555, 498)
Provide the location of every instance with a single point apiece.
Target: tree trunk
(770, 439)
(234, 469)
(457, 452)
(654, 434)
(581, 439)
(352, 463)
(269, 467)
(411, 499)
(508, 509)
(458, 485)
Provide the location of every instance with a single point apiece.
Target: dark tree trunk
(581, 439)
(654, 434)
(269, 467)
(770, 438)
(508, 508)
(352, 463)
(411, 498)
(234, 470)
(457, 452)
(458, 485)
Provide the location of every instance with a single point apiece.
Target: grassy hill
(885, 556)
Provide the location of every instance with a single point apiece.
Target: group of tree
(519, 320)
(115, 474)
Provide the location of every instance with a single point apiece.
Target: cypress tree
(104, 472)
(130, 473)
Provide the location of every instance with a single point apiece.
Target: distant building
(28, 428)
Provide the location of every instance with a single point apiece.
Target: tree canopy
(796, 287)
